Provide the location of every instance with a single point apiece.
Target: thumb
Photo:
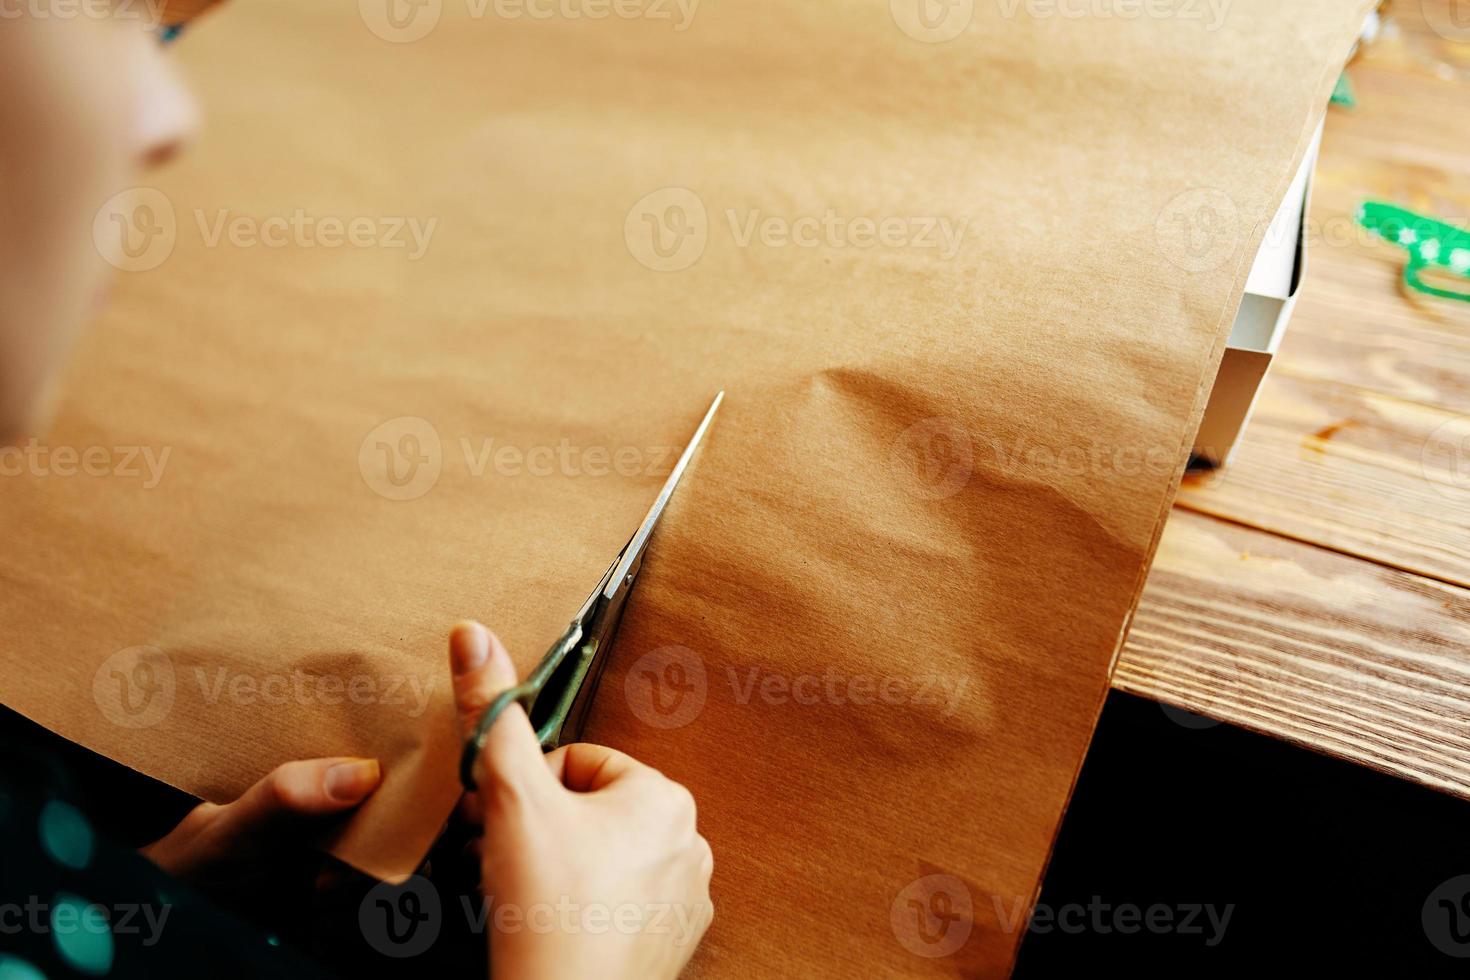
(511, 761)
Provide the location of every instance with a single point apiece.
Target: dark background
(1327, 863)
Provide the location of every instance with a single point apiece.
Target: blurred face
(89, 102)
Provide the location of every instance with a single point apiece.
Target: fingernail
(504, 668)
(349, 782)
(469, 647)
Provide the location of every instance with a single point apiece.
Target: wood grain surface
(1331, 651)
(1323, 599)
(1353, 470)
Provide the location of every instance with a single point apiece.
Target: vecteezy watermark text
(936, 458)
(144, 463)
(1103, 918)
(1211, 13)
(137, 688)
(836, 688)
(408, 692)
(403, 458)
(311, 231)
(678, 12)
(66, 917)
(563, 459)
(148, 13)
(833, 230)
(668, 687)
(669, 229)
(406, 21)
(137, 229)
(677, 920)
(404, 920)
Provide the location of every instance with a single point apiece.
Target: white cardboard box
(1270, 297)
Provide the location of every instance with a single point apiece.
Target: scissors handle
(525, 694)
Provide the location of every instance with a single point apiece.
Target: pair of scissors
(1431, 244)
(557, 694)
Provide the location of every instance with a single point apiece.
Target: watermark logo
(69, 916)
(1208, 922)
(147, 13)
(564, 459)
(1450, 19)
(936, 458)
(143, 463)
(932, 21)
(401, 459)
(405, 21)
(679, 13)
(831, 229)
(400, 21)
(1446, 917)
(667, 231)
(933, 917)
(1198, 229)
(933, 458)
(684, 924)
(135, 230)
(1446, 458)
(666, 688)
(407, 693)
(1211, 13)
(134, 688)
(838, 689)
(401, 920)
(301, 229)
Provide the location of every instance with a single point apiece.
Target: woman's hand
(591, 863)
(223, 845)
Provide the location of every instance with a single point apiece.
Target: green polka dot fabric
(72, 904)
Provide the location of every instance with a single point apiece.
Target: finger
(585, 768)
(238, 833)
(302, 789)
(482, 668)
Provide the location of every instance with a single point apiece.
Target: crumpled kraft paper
(439, 298)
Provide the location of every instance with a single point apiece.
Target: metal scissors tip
(556, 695)
(636, 545)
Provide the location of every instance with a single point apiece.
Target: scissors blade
(639, 541)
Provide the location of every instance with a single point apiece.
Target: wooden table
(1318, 589)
